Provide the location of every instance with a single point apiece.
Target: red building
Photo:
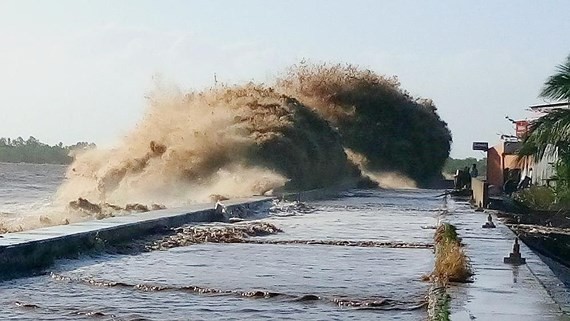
(503, 155)
(500, 158)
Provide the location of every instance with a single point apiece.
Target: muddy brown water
(284, 280)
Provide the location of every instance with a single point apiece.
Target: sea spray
(384, 179)
(375, 117)
(232, 141)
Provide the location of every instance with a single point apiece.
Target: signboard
(521, 128)
(484, 146)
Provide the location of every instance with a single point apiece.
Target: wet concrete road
(502, 291)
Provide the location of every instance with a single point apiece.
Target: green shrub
(536, 197)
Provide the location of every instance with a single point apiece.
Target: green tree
(557, 87)
(18, 141)
(453, 164)
(32, 141)
(550, 134)
(33, 150)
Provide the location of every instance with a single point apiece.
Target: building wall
(499, 158)
(512, 162)
(544, 170)
(494, 161)
(541, 170)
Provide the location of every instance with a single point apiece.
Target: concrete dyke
(480, 189)
(22, 252)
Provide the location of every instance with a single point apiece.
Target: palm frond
(557, 87)
(547, 134)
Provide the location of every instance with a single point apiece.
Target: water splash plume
(375, 117)
(384, 179)
(232, 141)
(243, 140)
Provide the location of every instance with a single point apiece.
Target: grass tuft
(446, 233)
(451, 263)
(443, 312)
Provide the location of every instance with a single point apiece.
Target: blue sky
(79, 70)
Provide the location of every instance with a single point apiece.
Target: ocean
(212, 281)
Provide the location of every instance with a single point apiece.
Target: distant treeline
(32, 150)
(452, 164)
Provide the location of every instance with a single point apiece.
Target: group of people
(513, 180)
(462, 178)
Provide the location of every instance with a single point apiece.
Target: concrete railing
(21, 252)
(480, 189)
(34, 249)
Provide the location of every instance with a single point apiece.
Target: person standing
(466, 178)
(457, 179)
(474, 172)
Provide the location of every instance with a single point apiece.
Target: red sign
(522, 128)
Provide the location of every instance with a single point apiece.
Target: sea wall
(23, 252)
(480, 189)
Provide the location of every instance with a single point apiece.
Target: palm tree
(548, 134)
(551, 132)
(557, 87)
